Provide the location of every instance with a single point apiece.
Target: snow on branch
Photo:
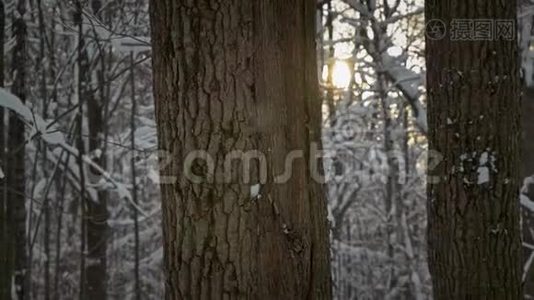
(359, 7)
(47, 132)
(119, 223)
(407, 81)
(120, 41)
(525, 200)
(404, 79)
(527, 203)
(38, 126)
(119, 187)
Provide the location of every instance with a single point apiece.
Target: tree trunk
(137, 280)
(41, 70)
(527, 163)
(96, 229)
(81, 73)
(239, 76)
(5, 260)
(473, 107)
(16, 210)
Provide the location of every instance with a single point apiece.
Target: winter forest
(248, 149)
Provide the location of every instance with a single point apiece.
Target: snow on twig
(41, 128)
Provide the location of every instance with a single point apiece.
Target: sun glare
(341, 75)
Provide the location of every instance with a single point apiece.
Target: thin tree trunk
(83, 211)
(391, 193)
(330, 62)
(94, 229)
(239, 76)
(82, 95)
(137, 283)
(59, 226)
(61, 182)
(5, 259)
(46, 202)
(16, 158)
(97, 213)
(473, 107)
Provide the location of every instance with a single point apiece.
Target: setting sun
(341, 75)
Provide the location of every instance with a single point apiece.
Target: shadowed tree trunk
(239, 76)
(135, 214)
(5, 260)
(96, 214)
(83, 94)
(16, 210)
(527, 163)
(473, 107)
(41, 70)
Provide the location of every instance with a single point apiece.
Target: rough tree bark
(473, 107)
(239, 75)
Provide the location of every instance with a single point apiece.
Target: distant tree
(5, 261)
(473, 109)
(239, 76)
(97, 212)
(15, 161)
